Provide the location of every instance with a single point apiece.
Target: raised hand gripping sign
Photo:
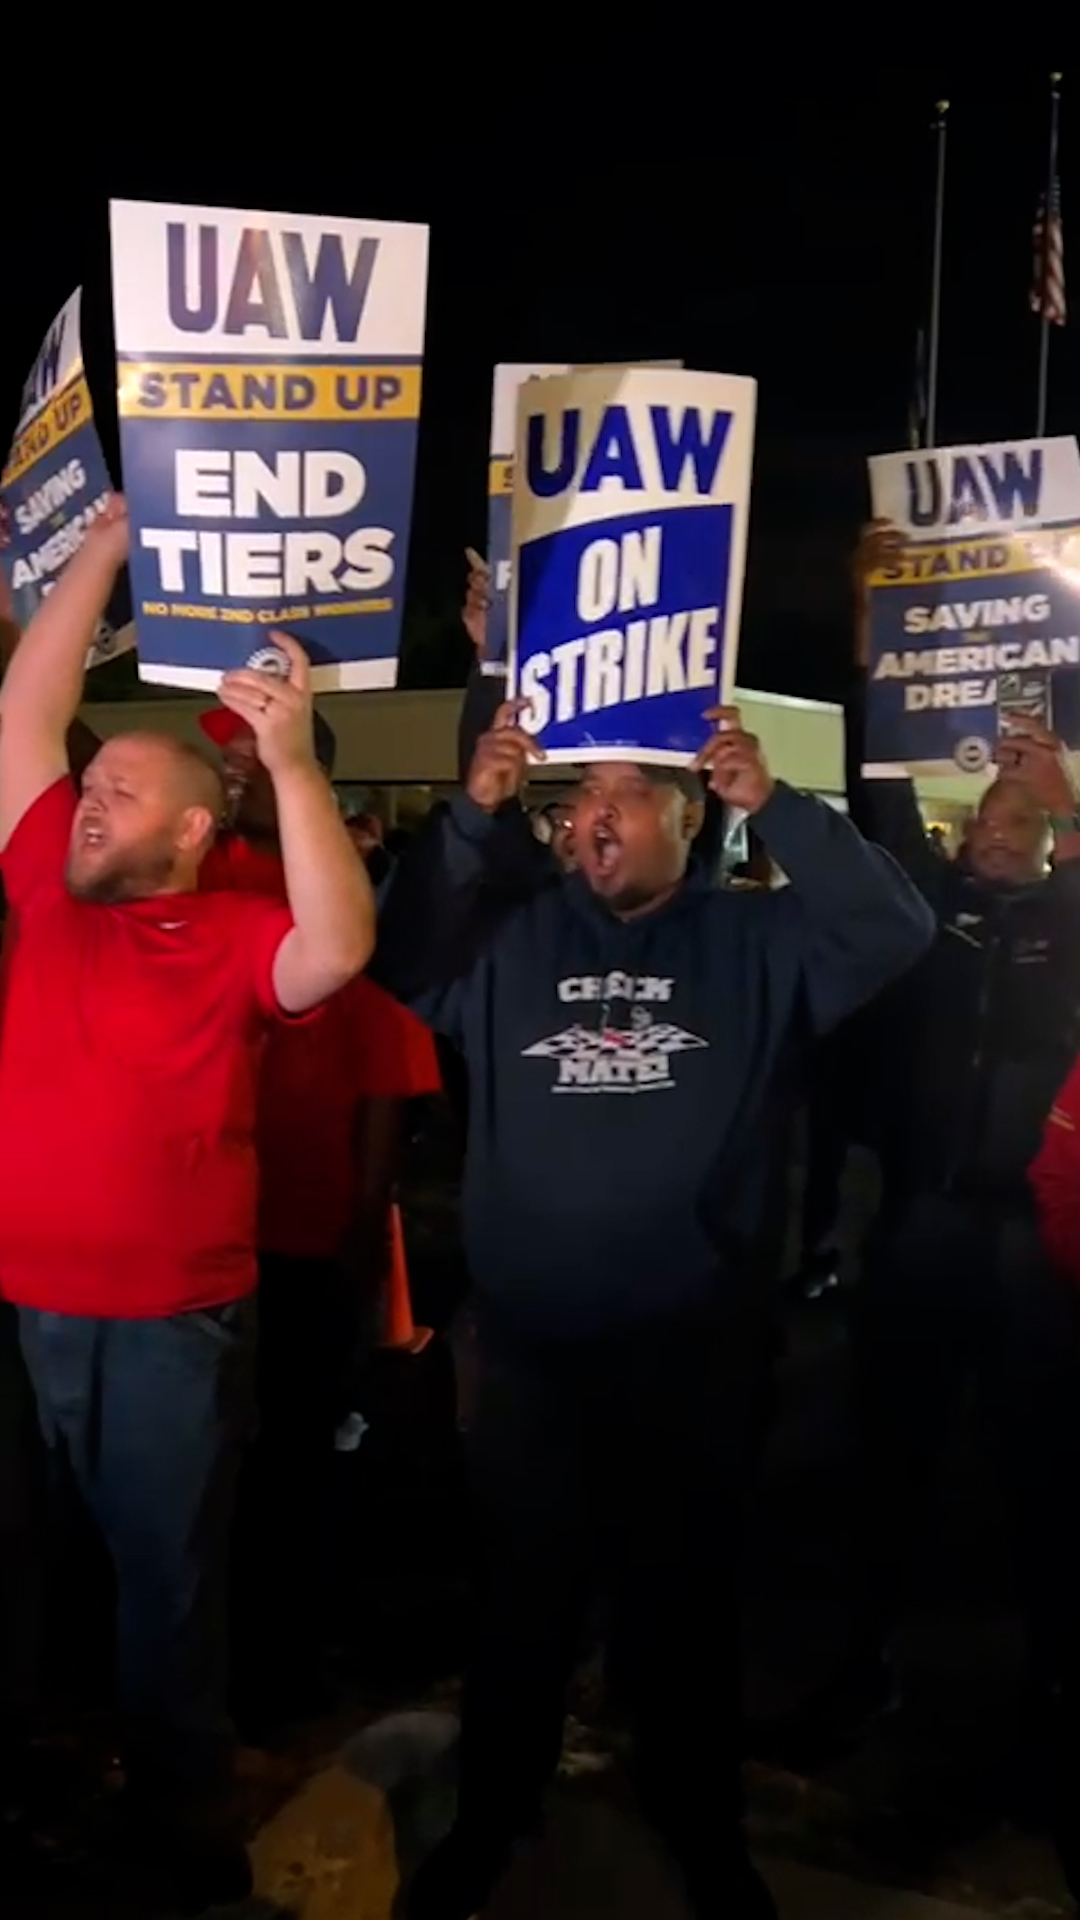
(978, 616)
(630, 515)
(269, 371)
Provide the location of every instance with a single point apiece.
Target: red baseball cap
(223, 727)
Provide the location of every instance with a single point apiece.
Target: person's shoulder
(53, 811)
(34, 859)
(234, 910)
(233, 865)
(735, 905)
(365, 1004)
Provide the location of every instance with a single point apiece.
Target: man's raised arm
(330, 895)
(469, 871)
(43, 684)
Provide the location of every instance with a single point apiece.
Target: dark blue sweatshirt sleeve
(886, 811)
(860, 922)
(484, 695)
(454, 890)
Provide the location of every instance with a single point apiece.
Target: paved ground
(595, 1863)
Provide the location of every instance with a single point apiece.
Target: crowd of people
(219, 1000)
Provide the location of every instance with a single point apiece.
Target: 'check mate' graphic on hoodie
(584, 1214)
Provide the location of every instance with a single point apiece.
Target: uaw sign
(508, 379)
(630, 514)
(55, 482)
(978, 620)
(507, 383)
(269, 372)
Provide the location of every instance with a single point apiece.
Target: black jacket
(971, 1048)
(622, 1072)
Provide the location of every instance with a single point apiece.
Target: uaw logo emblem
(270, 659)
(972, 754)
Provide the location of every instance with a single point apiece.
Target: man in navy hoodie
(628, 1030)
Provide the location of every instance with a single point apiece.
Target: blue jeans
(153, 1417)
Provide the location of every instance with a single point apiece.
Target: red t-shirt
(129, 1055)
(235, 866)
(364, 1046)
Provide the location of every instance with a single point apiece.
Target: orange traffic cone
(400, 1330)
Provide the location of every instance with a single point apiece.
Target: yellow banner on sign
(62, 415)
(170, 390)
(982, 559)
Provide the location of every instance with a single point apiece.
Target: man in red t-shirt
(331, 1113)
(135, 1013)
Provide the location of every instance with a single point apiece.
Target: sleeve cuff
(472, 822)
(784, 806)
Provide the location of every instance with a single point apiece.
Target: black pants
(22, 1550)
(305, 1349)
(957, 1293)
(152, 1416)
(613, 1466)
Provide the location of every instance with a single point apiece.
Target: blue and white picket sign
(980, 616)
(630, 513)
(269, 370)
(55, 481)
(508, 380)
(504, 395)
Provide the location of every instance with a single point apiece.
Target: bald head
(1008, 838)
(149, 809)
(196, 780)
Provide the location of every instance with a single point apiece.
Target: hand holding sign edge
(278, 710)
(738, 774)
(500, 764)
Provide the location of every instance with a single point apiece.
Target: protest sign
(55, 482)
(268, 372)
(508, 380)
(504, 394)
(630, 513)
(980, 616)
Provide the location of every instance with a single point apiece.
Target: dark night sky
(788, 240)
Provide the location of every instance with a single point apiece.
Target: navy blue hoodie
(621, 1072)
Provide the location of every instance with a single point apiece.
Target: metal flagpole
(1048, 214)
(935, 284)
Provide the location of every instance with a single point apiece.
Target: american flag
(1048, 285)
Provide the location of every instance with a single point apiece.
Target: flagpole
(941, 131)
(1044, 278)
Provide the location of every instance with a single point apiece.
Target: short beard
(113, 886)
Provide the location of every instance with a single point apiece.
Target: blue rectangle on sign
(44, 514)
(944, 651)
(292, 530)
(620, 631)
